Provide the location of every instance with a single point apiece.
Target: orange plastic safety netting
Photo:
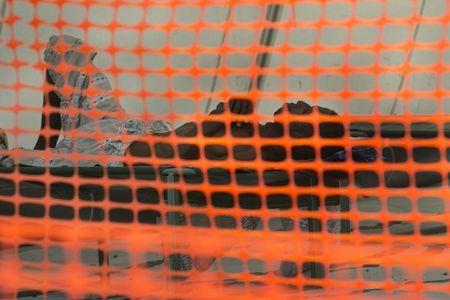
(345, 196)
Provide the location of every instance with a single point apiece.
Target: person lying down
(93, 123)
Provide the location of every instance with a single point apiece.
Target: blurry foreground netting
(310, 157)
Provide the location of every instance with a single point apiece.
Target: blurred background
(146, 28)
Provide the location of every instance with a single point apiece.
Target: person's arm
(54, 120)
(54, 81)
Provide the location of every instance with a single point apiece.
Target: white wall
(31, 97)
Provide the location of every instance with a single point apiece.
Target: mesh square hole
(392, 130)
(431, 205)
(176, 218)
(56, 255)
(339, 226)
(242, 129)
(433, 228)
(368, 204)
(31, 253)
(331, 130)
(179, 262)
(188, 151)
(91, 214)
(271, 130)
(29, 294)
(373, 273)
(287, 269)
(273, 153)
(273, 177)
(7, 208)
(281, 224)
(333, 154)
(306, 177)
(173, 197)
(279, 201)
(303, 153)
(313, 270)
(213, 129)
(395, 155)
(301, 130)
(247, 177)
(216, 152)
(335, 178)
(396, 179)
(119, 259)
(222, 200)
(91, 192)
(308, 202)
(91, 172)
(225, 222)
(120, 194)
(200, 220)
(196, 198)
(342, 272)
(399, 205)
(140, 149)
(364, 154)
(250, 201)
(256, 267)
(428, 179)
(251, 223)
(192, 175)
(7, 187)
(31, 210)
(119, 173)
(370, 227)
(91, 257)
(310, 225)
(187, 130)
(232, 265)
(62, 191)
(424, 130)
(61, 212)
(426, 155)
(149, 216)
(219, 176)
(337, 203)
(31, 170)
(147, 195)
(121, 215)
(366, 179)
(154, 261)
(244, 153)
(401, 228)
(362, 130)
(32, 189)
(144, 172)
(168, 173)
(164, 150)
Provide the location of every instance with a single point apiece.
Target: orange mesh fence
(342, 193)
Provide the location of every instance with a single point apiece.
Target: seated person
(89, 120)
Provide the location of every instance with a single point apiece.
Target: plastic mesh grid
(180, 223)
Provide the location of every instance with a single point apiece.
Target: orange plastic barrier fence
(348, 201)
